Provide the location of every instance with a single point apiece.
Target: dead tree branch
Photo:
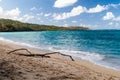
(60, 54)
(19, 50)
(38, 55)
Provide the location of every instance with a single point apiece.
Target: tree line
(7, 25)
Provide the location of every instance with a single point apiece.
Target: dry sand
(15, 67)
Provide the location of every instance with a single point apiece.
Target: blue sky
(95, 14)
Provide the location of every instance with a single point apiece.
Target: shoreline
(95, 58)
(44, 51)
(78, 63)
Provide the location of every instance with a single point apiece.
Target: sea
(100, 47)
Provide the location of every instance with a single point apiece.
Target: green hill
(7, 25)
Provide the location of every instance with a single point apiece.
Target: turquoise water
(99, 46)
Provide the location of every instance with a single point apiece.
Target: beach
(60, 40)
(16, 67)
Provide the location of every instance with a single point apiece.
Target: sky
(95, 14)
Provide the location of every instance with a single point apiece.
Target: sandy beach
(16, 67)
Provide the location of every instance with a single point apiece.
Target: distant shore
(55, 68)
(8, 25)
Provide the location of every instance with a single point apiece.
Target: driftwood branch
(19, 50)
(38, 55)
(60, 54)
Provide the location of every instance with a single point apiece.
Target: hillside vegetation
(7, 25)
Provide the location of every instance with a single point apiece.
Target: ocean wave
(81, 54)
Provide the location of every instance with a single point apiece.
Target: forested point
(7, 25)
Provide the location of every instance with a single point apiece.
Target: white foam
(81, 54)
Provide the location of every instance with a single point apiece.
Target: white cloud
(85, 25)
(114, 24)
(116, 18)
(1, 10)
(9, 14)
(64, 3)
(108, 16)
(111, 23)
(33, 8)
(74, 21)
(65, 25)
(113, 5)
(14, 14)
(97, 9)
(40, 14)
(100, 8)
(26, 17)
(74, 12)
(0, 0)
(46, 15)
(111, 16)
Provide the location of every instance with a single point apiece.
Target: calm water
(101, 46)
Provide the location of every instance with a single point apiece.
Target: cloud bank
(80, 9)
(74, 12)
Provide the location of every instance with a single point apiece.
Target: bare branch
(60, 54)
(34, 55)
(41, 55)
(19, 50)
